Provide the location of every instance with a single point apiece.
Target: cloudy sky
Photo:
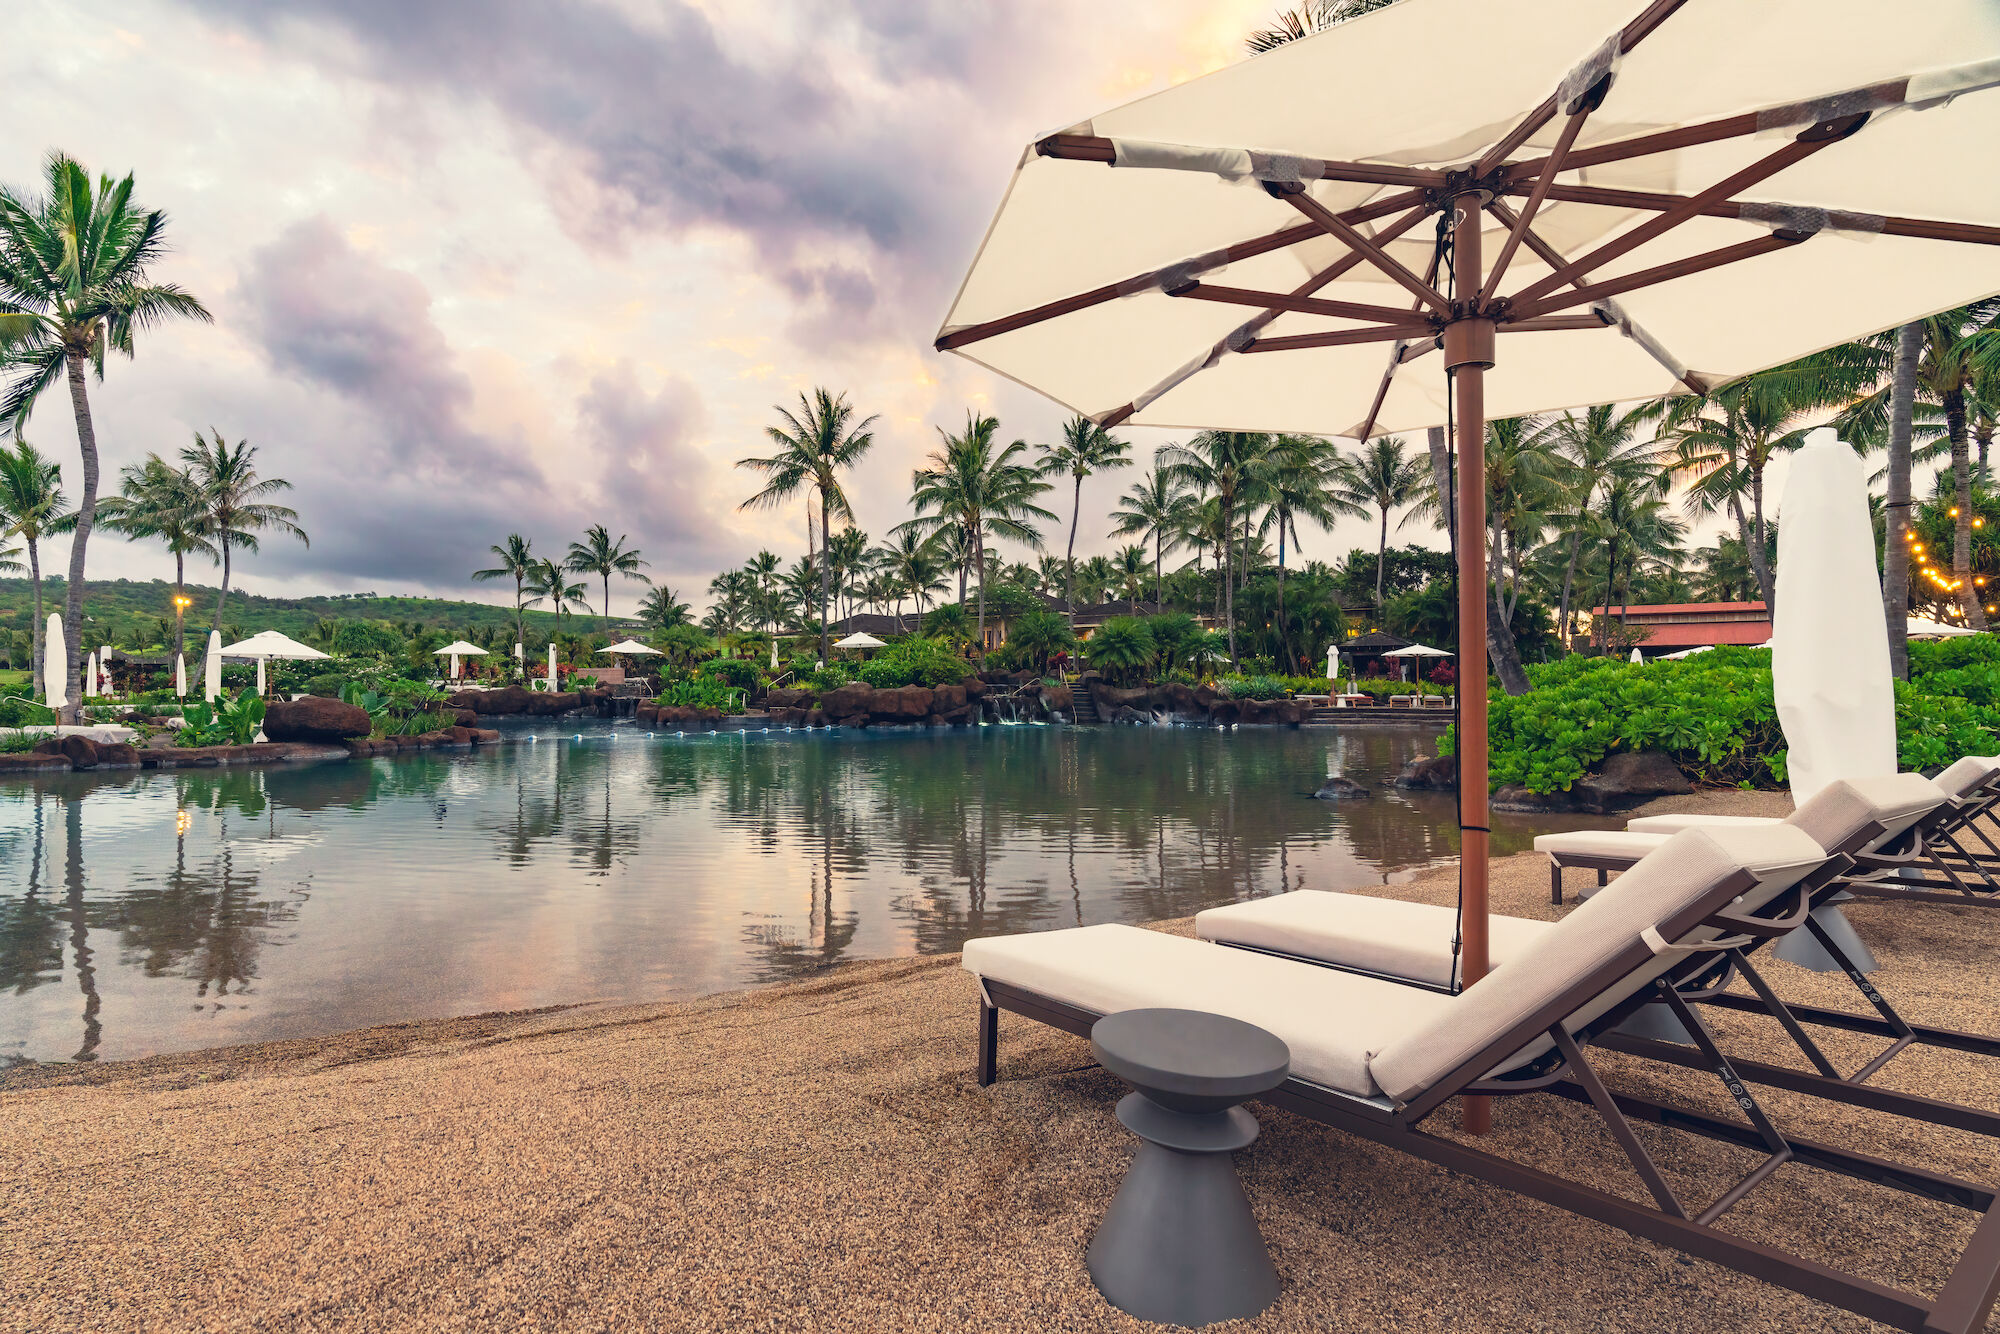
(525, 266)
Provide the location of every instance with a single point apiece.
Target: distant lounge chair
(1377, 1057)
(1415, 943)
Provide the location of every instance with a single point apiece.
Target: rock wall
(1190, 704)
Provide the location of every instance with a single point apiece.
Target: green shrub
(737, 672)
(18, 743)
(700, 692)
(913, 662)
(16, 712)
(830, 677)
(223, 723)
(1252, 687)
(1122, 649)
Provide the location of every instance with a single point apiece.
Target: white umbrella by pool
(454, 649)
(267, 644)
(631, 646)
(1416, 651)
(1707, 190)
(859, 639)
(180, 676)
(211, 669)
(1687, 652)
(55, 664)
(1922, 627)
(521, 659)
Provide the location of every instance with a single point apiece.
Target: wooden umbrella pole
(1468, 351)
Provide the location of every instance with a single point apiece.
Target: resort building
(1668, 627)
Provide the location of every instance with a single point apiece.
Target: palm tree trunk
(1381, 555)
(1069, 557)
(86, 518)
(1562, 608)
(1284, 629)
(979, 557)
(224, 595)
(1961, 481)
(180, 613)
(825, 567)
(1896, 511)
(607, 604)
(1610, 588)
(1159, 557)
(520, 613)
(35, 581)
(1758, 560)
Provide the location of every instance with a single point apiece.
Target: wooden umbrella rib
(1663, 141)
(1396, 354)
(1551, 167)
(1374, 253)
(1095, 148)
(1262, 245)
(1794, 152)
(1550, 324)
(1928, 229)
(1386, 333)
(1303, 305)
(1659, 273)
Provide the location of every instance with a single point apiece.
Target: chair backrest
(1861, 814)
(1575, 972)
(1967, 776)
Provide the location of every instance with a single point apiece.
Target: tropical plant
(549, 581)
(1085, 448)
(1225, 466)
(684, 644)
(229, 498)
(74, 286)
(516, 562)
(977, 487)
(949, 623)
(1036, 636)
(1121, 649)
(815, 445)
(662, 609)
(32, 507)
(223, 723)
(1308, 18)
(597, 554)
(1384, 477)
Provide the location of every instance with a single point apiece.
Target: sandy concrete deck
(818, 1157)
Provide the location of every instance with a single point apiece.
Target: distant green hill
(129, 612)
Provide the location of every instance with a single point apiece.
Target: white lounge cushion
(1388, 936)
(1971, 772)
(1832, 816)
(1332, 1021)
(1680, 873)
(1624, 843)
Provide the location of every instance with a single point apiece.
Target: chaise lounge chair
(1415, 943)
(1377, 1057)
(1965, 791)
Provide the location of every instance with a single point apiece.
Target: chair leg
(1603, 877)
(989, 1042)
(1555, 881)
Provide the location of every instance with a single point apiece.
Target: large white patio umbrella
(267, 644)
(211, 668)
(1416, 651)
(1283, 245)
(859, 639)
(1923, 627)
(55, 663)
(454, 649)
(633, 647)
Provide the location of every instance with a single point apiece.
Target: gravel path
(817, 1157)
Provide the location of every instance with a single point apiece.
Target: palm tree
(846, 556)
(597, 554)
(549, 579)
(912, 561)
(231, 502)
(1131, 563)
(1385, 476)
(33, 506)
(1085, 448)
(1160, 507)
(1225, 466)
(517, 562)
(982, 491)
(815, 445)
(157, 500)
(1293, 484)
(1601, 447)
(73, 286)
(1311, 17)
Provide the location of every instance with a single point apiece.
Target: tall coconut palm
(74, 286)
(233, 507)
(517, 562)
(981, 489)
(911, 559)
(32, 507)
(1131, 563)
(597, 554)
(159, 501)
(816, 445)
(1085, 448)
(1601, 446)
(1158, 506)
(662, 609)
(1222, 465)
(1293, 479)
(1385, 476)
(550, 581)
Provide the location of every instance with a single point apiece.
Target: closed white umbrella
(1636, 655)
(55, 664)
(520, 659)
(211, 669)
(180, 676)
(1332, 661)
(89, 685)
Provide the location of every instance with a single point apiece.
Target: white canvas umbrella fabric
(859, 639)
(180, 676)
(211, 669)
(631, 646)
(268, 644)
(1923, 627)
(1829, 644)
(55, 663)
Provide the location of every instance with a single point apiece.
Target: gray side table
(1179, 1244)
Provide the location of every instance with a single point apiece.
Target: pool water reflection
(165, 911)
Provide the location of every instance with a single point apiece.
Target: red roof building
(1668, 626)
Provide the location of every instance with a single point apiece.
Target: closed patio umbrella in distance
(1343, 235)
(211, 668)
(55, 664)
(180, 676)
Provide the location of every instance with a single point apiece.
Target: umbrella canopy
(1922, 627)
(459, 646)
(631, 646)
(55, 663)
(1707, 190)
(211, 669)
(1687, 652)
(270, 644)
(1416, 651)
(1829, 643)
(859, 639)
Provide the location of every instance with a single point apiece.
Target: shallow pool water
(163, 911)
